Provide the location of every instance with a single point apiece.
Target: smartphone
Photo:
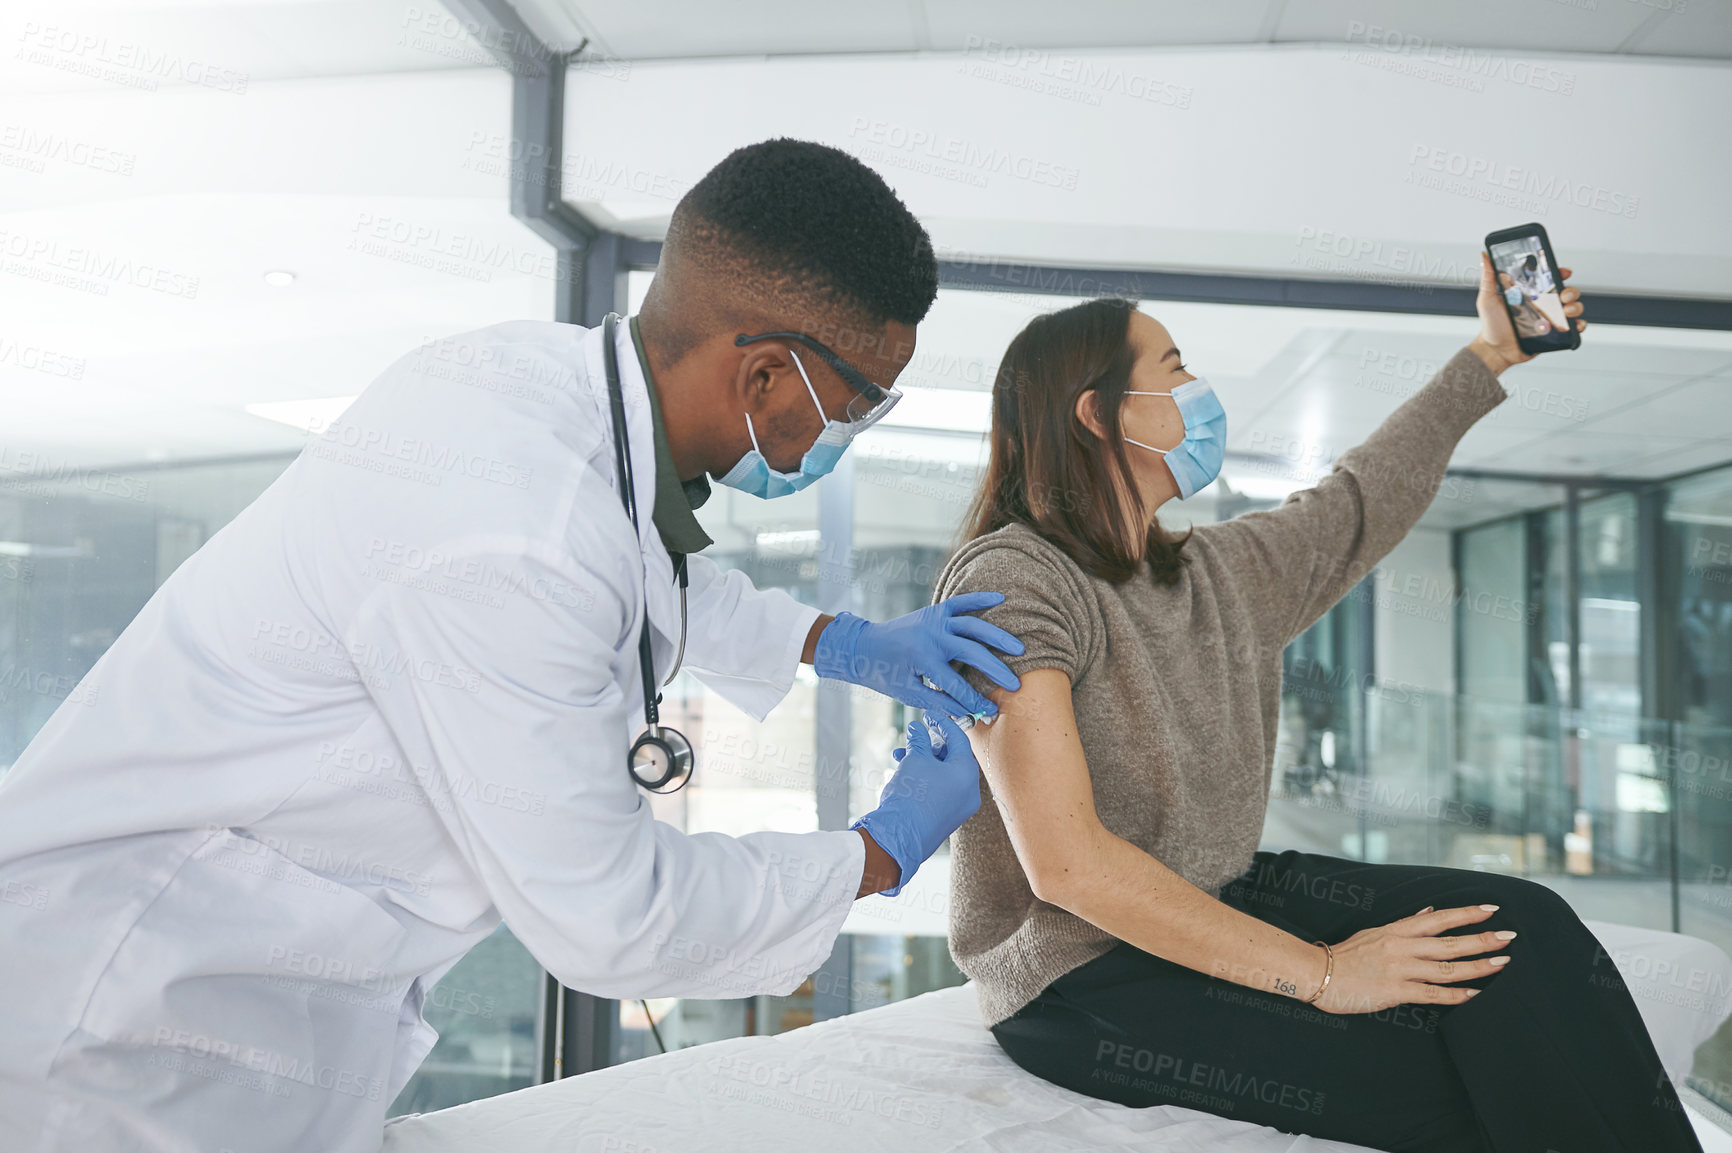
(1527, 278)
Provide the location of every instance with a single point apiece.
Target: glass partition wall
(1617, 754)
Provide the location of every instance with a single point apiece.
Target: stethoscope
(661, 760)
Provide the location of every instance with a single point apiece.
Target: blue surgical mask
(753, 474)
(1195, 461)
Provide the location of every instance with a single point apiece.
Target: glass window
(1490, 612)
(487, 1011)
(1319, 760)
(1699, 760)
(1699, 513)
(1610, 613)
(1553, 674)
(1492, 738)
(1552, 816)
(79, 556)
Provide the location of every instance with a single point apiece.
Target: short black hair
(815, 225)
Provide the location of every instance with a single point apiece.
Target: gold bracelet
(1328, 971)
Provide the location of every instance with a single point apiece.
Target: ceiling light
(279, 278)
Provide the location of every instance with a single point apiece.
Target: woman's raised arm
(1295, 561)
(1301, 558)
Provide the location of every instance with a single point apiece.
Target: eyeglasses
(870, 402)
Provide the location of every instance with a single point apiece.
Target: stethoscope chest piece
(661, 760)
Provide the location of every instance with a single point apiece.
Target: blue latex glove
(935, 788)
(893, 657)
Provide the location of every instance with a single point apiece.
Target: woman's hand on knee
(1409, 962)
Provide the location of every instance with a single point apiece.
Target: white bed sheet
(925, 1075)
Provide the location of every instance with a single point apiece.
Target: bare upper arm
(1033, 760)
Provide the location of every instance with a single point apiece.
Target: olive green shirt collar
(675, 499)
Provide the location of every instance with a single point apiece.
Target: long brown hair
(1047, 470)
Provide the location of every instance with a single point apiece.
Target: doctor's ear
(756, 374)
(1088, 412)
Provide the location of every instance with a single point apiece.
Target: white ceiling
(227, 46)
(223, 47)
(684, 28)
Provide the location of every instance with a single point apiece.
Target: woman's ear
(1088, 411)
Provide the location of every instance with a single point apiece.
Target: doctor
(390, 703)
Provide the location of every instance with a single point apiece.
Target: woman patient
(1126, 938)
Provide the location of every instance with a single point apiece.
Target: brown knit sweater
(1177, 688)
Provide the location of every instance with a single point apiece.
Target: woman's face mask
(1196, 460)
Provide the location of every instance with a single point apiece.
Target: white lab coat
(386, 706)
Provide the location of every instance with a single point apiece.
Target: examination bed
(924, 1074)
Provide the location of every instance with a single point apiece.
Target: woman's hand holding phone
(1496, 343)
(1405, 962)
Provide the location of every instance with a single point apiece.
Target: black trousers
(1552, 1056)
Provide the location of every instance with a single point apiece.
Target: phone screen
(1530, 286)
